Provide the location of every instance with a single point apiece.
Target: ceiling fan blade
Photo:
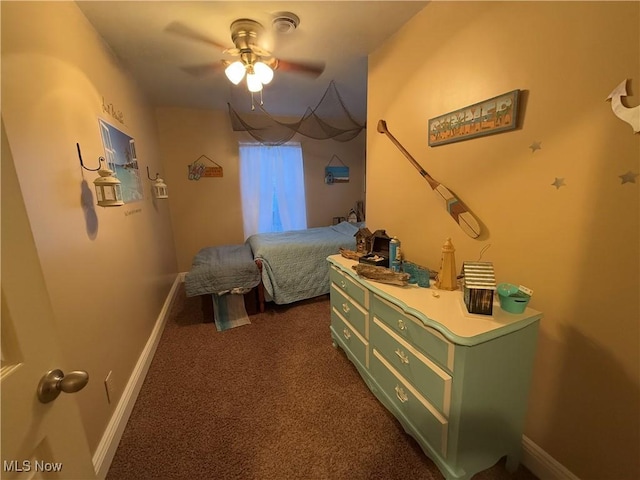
(201, 70)
(312, 69)
(187, 32)
(259, 51)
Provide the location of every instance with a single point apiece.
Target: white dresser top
(445, 310)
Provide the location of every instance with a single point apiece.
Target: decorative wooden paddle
(453, 204)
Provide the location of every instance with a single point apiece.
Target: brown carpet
(270, 400)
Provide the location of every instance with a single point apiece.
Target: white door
(39, 441)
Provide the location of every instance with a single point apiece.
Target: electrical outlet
(108, 385)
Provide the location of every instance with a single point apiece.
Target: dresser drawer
(425, 339)
(348, 286)
(351, 311)
(348, 338)
(425, 420)
(428, 378)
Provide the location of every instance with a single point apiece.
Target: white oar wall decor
(458, 210)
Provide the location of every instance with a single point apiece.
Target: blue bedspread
(222, 269)
(295, 263)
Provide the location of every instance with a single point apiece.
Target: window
(272, 188)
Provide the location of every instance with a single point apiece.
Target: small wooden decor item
(381, 274)
(447, 277)
(199, 169)
(479, 285)
(626, 114)
(379, 253)
(363, 240)
(350, 254)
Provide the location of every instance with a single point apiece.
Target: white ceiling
(339, 33)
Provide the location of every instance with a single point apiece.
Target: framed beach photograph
(497, 114)
(120, 153)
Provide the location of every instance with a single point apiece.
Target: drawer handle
(400, 393)
(401, 324)
(343, 284)
(345, 308)
(403, 356)
(346, 333)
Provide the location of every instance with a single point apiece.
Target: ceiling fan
(255, 63)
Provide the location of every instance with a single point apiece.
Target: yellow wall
(577, 246)
(108, 271)
(208, 211)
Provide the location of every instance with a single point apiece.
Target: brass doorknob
(54, 382)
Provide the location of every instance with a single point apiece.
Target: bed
(294, 264)
(282, 267)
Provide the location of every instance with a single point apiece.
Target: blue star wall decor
(558, 182)
(628, 177)
(536, 145)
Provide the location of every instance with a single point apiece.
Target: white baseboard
(541, 464)
(108, 445)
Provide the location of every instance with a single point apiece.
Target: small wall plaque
(336, 174)
(495, 115)
(199, 169)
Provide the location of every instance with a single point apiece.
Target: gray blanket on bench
(222, 269)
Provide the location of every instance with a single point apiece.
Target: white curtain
(272, 188)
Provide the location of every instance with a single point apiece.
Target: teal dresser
(457, 382)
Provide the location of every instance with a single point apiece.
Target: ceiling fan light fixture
(235, 72)
(264, 72)
(253, 83)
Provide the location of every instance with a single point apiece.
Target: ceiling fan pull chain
(253, 107)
